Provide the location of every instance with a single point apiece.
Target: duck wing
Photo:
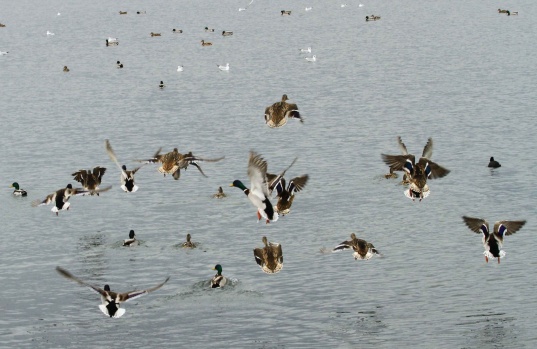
(128, 296)
(502, 228)
(402, 145)
(46, 201)
(273, 180)
(433, 170)
(157, 157)
(98, 173)
(399, 162)
(478, 225)
(257, 172)
(70, 276)
(297, 184)
(345, 245)
(428, 149)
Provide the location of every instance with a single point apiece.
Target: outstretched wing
(477, 225)
(428, 149)
(70, 276)
(257, 172)
(46, 201)
(128, 296)
(157, 157)
(402, 146)
(345, 245)
(436, 171)
(273, 180)
(98, 173)
(297, 184)
(398, 162)
(502, 228)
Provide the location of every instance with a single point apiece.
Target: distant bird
(141, 12)
(227, 33)
(127, 177)
(269, 257)
(188, 243)
(209, 30)
(65, 69)
(308, 8)
(514, 13)
(258, 193)
(178, 31)
(311, 59)
(173, 162)
(50, 33)
(180, 68)
(493, 242)
(161, 85)
(361, 5)
(223, 67)
(203, 43)
(90, 180)
(306, 50)
(61, 196)
(3, 53)
(18, 191)
(362, 249)
(417, 173)
(286, 13)
(119, 65)
(372, 18)
(131, 241)
(493, 163)
(277, 114)
(111, 301)
(242, 9)
(2, 25)
(155, 34)
(112, 42)
(220, 194)
(343, 5)
(122, 12)
(218, 280)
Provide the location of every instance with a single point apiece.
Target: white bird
(312, 59)
(179, 68)
(306, 50)
(50, 33)
(3, 53)
(343, 5)
(361, 5)
(242, 9)
(223, 67)
(308, 8)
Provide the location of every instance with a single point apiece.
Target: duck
(188, 243)
(203, 43)
(112, 41)
(417, 173)
(308, 8)
(61, 197)
(306, 50)
(161, 85)
(127, 177)
(502, 11)
(173, 162)
(220, 194)
(493, 242)
(155, 34)
(277, 114)
(286, 195)
(180, 68)
(65, 69)
(119, 65)
(111, 301)
(514, 13)
(2, 25)
(362, 249)
(270, 257)
(218, 279)
(90, 179)
(177, 31)
(49, 33)
(122, 12)
(131, 241)
(312, 58)
(141, 12)
(285, 13)
(18, 191)
(259, 190)
(344, 5)
(227, 33)
(493, 163)
(211, 30)
(223, 67)
(3, 53)
(372, 18)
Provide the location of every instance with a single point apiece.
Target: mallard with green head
(258, 193)
(362, 249)
(270, 257)
(18, 191)
(218, 279)
(61, 196)
(277, 114)
(127, 177)
(111, 301)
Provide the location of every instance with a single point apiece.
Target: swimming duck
(90, 180)
(502, 11)
(372, 18)
(259, 190)
(161, 85)
(188, 243)
(286, 13)
(203, 43)
(50, 33)
(155, 34)
(18, 191)
(219, 194)
(173, 162)
(362, 249)
(209, 30)
(3, 53)
(306, 50)
(227, 33)
(122, 12)
(65, 69)
(312, 58)
(223, 67)
(111, 301)
(177, 31)
(493, 242)
(277, 114)
(270, 257)
(218, 280)
(61, 196)
(180, 68)
(141, 12)
(119, 65)
(418, 173)
(112, 42)
(308, 8)
(493, 163)
(127, 177)
(131, 241)
(2, 25)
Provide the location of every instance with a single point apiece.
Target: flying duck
(131, 241)
(493, 242)
(61, 196)
(18, 191)
(218, 279)
(90, 180)
(362, 249)
(111, 301)
(277, 114)
(127, 177)
(270, 257)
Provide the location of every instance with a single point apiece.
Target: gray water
(456, 71)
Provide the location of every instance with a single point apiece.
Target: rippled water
(456, 71)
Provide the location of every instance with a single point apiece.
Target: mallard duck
(227, 33)
(188, 243)
(204, 43)
(223, 67)
(155, 34)
(514, 13)
(119, 65)
(177, 31)
(418, 173)
(287, 195)
(493, 163)
(362, 249)
(211, 30)
(18, 191)
(131, 241)
(112, 42)
(111, 301)
(90, 180)
(502, 11)
(493, 242)
(219, 194)
(372, 18)
(141, 12)
(65, 69)
(61, 196)
(259, 191)
(161, 85)
(277, 114)
(127, 177)
(122, 12)
(270, 257)
(2, 25)
(285, 13)
(173, 162)
(218, 279)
